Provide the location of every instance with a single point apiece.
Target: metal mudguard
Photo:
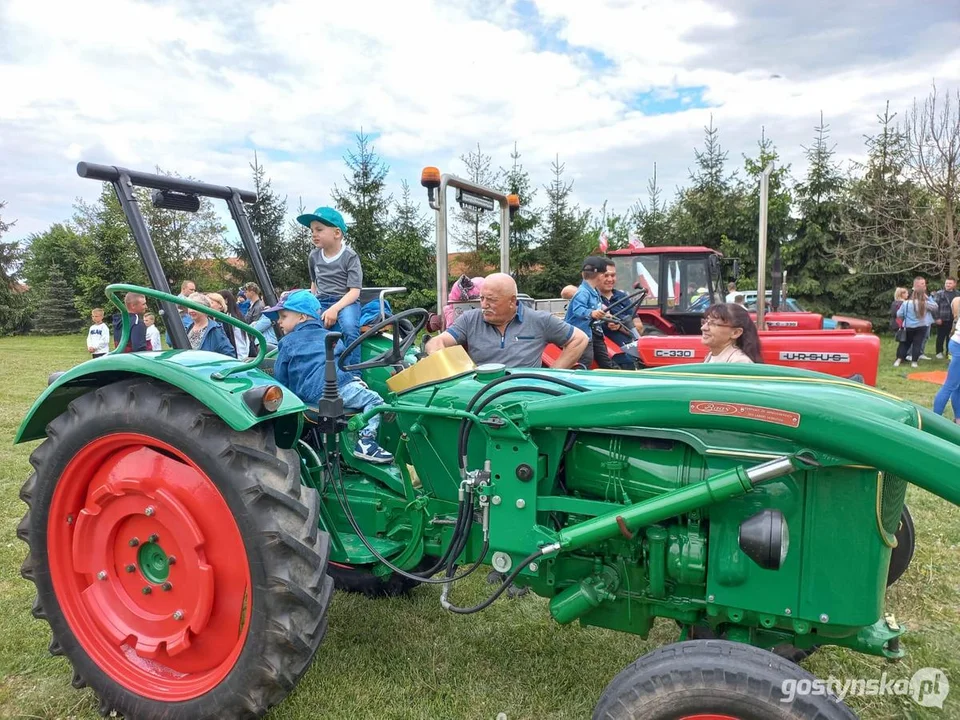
(187, 370)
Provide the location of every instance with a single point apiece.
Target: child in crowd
(153, 334)
(586, 305)
(335, 274)
(300, 365)
(98, 336)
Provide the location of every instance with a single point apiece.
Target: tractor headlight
(264, 399)
(765, 539)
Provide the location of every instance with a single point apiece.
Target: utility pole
(762, 249)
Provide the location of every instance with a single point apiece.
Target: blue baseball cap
(299, 301)
(327, 216)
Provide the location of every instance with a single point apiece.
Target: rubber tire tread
(712, 676)
(277, 517)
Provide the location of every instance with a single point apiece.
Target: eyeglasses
(713, 323)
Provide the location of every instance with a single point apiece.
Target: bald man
(503, 331)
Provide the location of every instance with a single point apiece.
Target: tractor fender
(190, 371)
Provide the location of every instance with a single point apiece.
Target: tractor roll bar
(439, 203)
(110, 173)
(124, 181)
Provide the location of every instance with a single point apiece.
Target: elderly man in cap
(503, 331)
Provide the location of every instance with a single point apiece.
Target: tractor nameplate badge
(827, 357)
(751, 412)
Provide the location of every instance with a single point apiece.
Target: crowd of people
(913, 316)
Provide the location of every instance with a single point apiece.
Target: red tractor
(682, 282)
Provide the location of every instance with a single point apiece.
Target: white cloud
(194, 88)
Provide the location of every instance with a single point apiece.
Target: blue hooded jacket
(215, 340)
(301, 358)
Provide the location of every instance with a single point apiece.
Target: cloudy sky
(612, 86)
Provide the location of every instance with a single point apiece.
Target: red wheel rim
(148, 566)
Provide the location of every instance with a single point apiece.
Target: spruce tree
(565, 243)
(651, 218)
(267, 217)
(702, 213)
(365, 201)
(13, 307)
(112, 255)
(55, 313)
(525, 224)
(407, 257)
(743, 239)
(474, 228)
(299, 243)
(814, 276)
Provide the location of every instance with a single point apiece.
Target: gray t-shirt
(522, 343)
(335, 276)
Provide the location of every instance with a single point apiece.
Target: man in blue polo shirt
(503, 331)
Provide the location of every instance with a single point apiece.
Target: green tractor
(188, 516)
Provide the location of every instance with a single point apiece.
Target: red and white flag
(635, 242)
(603, 241)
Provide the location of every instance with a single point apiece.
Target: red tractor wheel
(178, 562)
(715, 680)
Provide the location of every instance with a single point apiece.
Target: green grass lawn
(408, 658)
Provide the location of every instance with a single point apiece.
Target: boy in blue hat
(335, 274)
(300, 366)
(586, 305)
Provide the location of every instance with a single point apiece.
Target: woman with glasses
(730, 334)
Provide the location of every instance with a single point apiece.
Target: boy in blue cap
(335, 274)
(300, 366)
(586, 305)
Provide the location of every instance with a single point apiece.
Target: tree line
(845, 236)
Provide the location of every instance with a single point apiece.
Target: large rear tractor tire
(178, 562)
(714, 680)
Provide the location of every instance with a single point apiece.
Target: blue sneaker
(367, 449)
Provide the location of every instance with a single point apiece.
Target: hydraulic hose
(464, 432)
(341, 494)
(507, 582)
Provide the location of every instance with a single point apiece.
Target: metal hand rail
(112, 291)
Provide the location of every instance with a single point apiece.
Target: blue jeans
(950, 390)
(357, 397)
(348, 325)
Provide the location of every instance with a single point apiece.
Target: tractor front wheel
(715, 680)
(178, 562)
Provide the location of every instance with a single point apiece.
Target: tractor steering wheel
(404, 334)
(634, 298)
